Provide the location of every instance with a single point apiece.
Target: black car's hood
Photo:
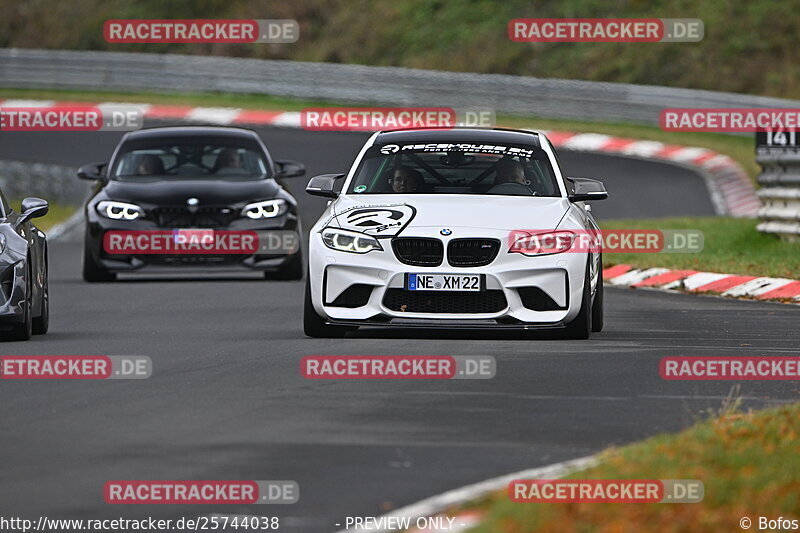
(176, 191)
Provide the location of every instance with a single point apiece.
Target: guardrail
(519, 95)
(54, 183)
(780, 193)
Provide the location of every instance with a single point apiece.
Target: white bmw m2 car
(455, 228)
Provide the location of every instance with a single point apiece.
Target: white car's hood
(387, 215)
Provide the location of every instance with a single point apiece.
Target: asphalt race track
(226, 399)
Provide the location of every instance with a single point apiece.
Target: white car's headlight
(119, 210)
(265, 209)
(349, 241)
(548, 243)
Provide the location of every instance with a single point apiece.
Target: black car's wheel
(581, 326)
(292, 270)
(92, 271)
(597, 305)
(313, 324)
(24, 330)
(42, 322)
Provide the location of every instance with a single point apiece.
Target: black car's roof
(459, 135)
(199, 131)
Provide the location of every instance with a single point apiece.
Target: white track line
(437, 504)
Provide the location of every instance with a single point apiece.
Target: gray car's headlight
(119, 210)
(349, 241)
(2, 243)
(265, 209)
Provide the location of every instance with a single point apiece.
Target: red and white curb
(731, 190)
(753, 287)
(436, 506)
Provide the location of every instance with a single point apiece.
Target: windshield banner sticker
(458, 147)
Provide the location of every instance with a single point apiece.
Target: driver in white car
(510, 179)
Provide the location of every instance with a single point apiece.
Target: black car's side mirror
(585, 190)
(33, 207)
(92, 171)
(324, 185)
(290, 169)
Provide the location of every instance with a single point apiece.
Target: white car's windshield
(437, 168)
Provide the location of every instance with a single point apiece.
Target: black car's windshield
(177, 157)
(437, 168)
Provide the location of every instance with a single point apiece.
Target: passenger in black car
(150, 165)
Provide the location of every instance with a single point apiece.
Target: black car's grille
(472, 252)
(202, 217)
(190, 259)
(405, 301)
(418, 251)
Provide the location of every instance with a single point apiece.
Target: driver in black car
(229, 161)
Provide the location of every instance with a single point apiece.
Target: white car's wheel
(597, 304)
(581, 325)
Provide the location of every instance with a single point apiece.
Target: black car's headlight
(119, 210)
(265, 209)
(349, 241)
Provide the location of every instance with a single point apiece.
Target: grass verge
(731, 246)
(747, 462)
(57, 214)
(740, 148)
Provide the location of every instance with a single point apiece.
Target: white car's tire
(597, 304)
(581, 325)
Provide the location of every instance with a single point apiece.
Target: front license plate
(443, 282)
(193, 236)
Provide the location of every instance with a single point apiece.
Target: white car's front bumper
(512, 280)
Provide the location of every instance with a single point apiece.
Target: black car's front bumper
(263, 260)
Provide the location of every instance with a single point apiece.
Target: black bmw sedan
(191, 196)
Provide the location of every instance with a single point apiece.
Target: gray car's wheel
(24, 330)
(42, 322)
